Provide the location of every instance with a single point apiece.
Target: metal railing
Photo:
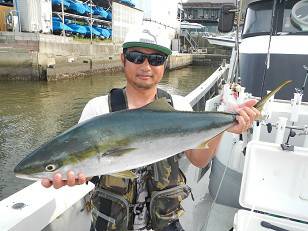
(208, 89)
(189, 38)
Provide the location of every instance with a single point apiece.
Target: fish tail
(265, 98)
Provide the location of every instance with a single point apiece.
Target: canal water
(33, 112)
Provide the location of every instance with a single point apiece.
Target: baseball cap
(148, 37)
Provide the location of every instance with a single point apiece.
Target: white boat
(228, 40)
(265, 169)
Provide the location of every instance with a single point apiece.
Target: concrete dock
(34, 56)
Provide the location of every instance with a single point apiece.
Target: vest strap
(117, 100)
(103, 216)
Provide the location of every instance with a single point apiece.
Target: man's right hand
(57, 181)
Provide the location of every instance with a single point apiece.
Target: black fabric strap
(117, 100)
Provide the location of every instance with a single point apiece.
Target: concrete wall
(28, 56)
(213, 60)
(178, 60)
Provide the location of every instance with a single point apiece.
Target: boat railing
(208, 89)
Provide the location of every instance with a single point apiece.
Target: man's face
(142, 75)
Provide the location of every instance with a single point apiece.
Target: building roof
(209, 1)
(206, 3)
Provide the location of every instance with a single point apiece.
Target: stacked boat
(73, 28)
(128, 3)
(81, 8)
(76, 20)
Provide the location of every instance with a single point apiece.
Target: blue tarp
(77, 7)
(109, 16)
(128, 2)
(88, 8)
(94, 31)
(56, 18)
(59, 3)
(77, 29)
(59, 26)
(100, 11)
(104, 32)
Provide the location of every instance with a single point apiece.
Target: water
(33, 112)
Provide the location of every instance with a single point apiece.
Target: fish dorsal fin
(158, 105)
(265, 98)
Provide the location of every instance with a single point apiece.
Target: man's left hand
(246, 115)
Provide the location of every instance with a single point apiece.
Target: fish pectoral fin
(204, 145)
(126, 174)
(118, 151)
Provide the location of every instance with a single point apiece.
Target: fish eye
(50, 167)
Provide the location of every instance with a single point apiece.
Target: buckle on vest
(138, 208)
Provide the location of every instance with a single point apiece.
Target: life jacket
(114, 198)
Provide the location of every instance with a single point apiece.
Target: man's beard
(145, 85)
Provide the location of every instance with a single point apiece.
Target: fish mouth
(27, 177)
(18, 170)
(26, 173)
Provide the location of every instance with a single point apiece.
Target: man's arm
(246, 115)
(201, 157)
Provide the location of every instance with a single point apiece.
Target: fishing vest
(114, 198)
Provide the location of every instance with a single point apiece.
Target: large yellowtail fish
(124, 140)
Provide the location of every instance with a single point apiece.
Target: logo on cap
(154, 41)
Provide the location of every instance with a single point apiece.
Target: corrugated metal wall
(161, 13)
(123, 18)
(31, 14)
(3, 12)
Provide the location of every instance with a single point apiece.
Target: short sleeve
(95, 107)
(180, 103)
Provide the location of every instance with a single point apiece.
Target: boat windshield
(291, 17)
(258, 18)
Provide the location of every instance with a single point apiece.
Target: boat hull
(288, 54)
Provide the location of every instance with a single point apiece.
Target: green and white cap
(148, 37)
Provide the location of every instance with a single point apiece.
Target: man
(152, 201)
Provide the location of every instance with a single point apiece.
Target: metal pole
(91, 45)
(18, 16)
(62, 6)
(91, 22)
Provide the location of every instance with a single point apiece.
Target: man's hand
(246, 115)
(57, 181)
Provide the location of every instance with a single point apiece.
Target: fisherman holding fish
(151, 201)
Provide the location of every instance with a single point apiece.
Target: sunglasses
(138, 58)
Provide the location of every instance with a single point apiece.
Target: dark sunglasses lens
(156, 60)
(135, 57)
(138, 58)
